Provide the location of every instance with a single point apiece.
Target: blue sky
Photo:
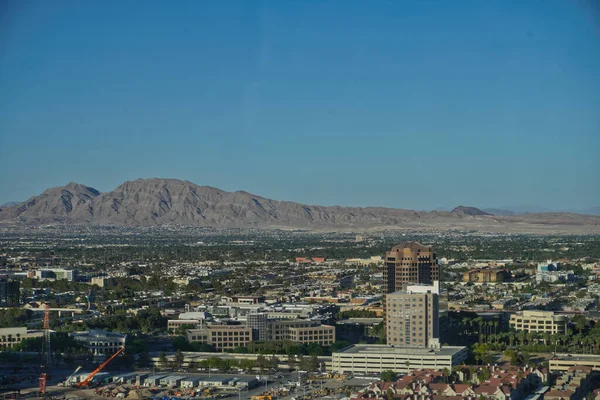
(391, 103)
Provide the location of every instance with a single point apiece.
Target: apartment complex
(412, 316)
(9, 293)
(486, 275)
(539, 321)
(222, 337)
(409, 263)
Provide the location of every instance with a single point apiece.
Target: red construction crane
(87, 380)
(46, 351)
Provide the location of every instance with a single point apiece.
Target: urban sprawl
(200, 313)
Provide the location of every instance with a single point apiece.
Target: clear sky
(391, 103)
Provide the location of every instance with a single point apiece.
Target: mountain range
(146, 202)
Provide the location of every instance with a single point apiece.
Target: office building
(301, 331)
(99, 341)
(222, 337)
(373, 358)
(538, 321)
(57, 273)
(409, 263)
(174, 325)
(9, 337)
(259, 323)
(9, 293)
(412, 316)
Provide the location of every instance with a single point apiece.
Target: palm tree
(445, 374)
(480, 323)
(495, 328)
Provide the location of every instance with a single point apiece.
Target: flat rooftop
(385, 349)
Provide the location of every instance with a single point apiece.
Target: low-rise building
(504, 383)
(486, 275)
(301, 331)
(563, 362)
(57, 273)
(99, 341)
(370, 358)
(554, 276)
(9, 337)
(174, 324)
(101, 281)
(539, 321)
(222, 337)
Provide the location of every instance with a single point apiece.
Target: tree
(580, 322)
(143, 359)
(313, 363)
(388, 376)
(315, 349)
(338, 345)
(179, 357)
(162, 360)
(446, 373)
(274, 362)
(512, 356)
(262, 363)
(525, 357)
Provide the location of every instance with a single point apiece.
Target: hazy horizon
(411, 105)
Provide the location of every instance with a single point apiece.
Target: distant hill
(589, 211)
(472, 211)
(499, 211)
(9, 204)
(146, 202)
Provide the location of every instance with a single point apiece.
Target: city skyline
(486, 104)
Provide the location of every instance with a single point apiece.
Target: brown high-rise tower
(409, 263)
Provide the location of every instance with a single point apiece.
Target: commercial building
(9, 293)
(554, 276)
(100, 342)
(486, 275)
(9, 337)
(101, 281)
(301, 331)
(57, 273)
(368, 358)
(539, 321)
(409, 263)
(412, 316)
(222, 337)
(259, 323)
(547, 266)
(174, 324)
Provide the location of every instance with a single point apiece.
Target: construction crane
(68, 380)
(87, 380)
(46, 351)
